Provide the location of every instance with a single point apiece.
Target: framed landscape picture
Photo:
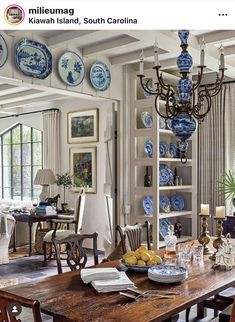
(83, 168)
(83, 126)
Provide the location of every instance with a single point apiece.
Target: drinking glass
(185, 254)
(198, 253)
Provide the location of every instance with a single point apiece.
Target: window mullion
(21, 162)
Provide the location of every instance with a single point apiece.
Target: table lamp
(44, 178)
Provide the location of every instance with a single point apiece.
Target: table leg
(201, 311)
(14, 239)
(30, 238)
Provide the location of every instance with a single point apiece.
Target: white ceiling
(123, 47)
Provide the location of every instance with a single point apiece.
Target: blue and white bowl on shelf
(165, 175)
(163, 149)
(177, 202)
(173, 150)
(148, 148)
(146, 119)
(164, 203)
(164, 223)
(148, 205)
(162, 123)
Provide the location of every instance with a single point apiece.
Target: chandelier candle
(190, 103)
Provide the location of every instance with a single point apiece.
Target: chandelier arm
(219, 82)
(169, 115)
(160, 79)
(200, 74)
(197, 107)
(146, 88)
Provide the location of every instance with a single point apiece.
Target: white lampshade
(44, 177)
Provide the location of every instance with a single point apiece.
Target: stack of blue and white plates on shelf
(167, 274)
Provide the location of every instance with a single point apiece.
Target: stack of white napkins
(103, 273)
(113, 285)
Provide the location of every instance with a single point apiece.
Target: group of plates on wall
(35, 59)
(176, 202)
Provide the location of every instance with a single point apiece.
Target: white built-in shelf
(188, 187)
(144, 161)
(174, 160)
(144, 190)
(141, 132)
(182, 239)
(175, 214)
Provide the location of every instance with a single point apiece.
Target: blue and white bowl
(165, 175)
(167, 273)
(173, 150)
(164, 203)
(177, 202)
(163, 226)
(146, 119)
(148, 205)
(163, 149)
(148, 148)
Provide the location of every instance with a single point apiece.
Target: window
(21, 157)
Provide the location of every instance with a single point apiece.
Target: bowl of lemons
(141, 259)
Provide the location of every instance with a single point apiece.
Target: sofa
(7, 223)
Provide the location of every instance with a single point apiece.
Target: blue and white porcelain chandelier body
(190, 103)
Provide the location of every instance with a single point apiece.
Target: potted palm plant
(227, 186)
(64, 180)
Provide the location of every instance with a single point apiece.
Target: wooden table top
(67, 298)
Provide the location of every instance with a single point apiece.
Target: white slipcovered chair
(7, 223)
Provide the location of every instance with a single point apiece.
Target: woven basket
(40, 233)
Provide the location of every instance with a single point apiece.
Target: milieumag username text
(63, 13)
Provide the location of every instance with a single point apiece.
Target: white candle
(205, 209)
(202, 52)
(156, 61)
(141, 71)
(220, 212)
(221, 50)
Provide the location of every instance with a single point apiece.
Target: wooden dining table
(66, 298)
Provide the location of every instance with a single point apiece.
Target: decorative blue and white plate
(165, 175)
(164, 203)
(163, 226)
(167, 273)
(177, 202)
(168, 123)
(146, 119)
(148, 148)
(33, 58)
(100, 76)
(148, 205)
(71, 68)
(163, 149)
(162, 123)
(3, 51)
(173, 150)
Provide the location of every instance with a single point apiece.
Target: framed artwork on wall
(83, 168)
(83, 126)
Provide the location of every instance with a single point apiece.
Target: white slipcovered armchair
(7, 223)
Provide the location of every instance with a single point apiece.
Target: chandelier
(190, 103)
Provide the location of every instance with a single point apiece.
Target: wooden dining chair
(7, 299)
(76, 219)
(132, 236)
(76, 253)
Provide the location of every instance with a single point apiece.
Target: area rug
(8, 282)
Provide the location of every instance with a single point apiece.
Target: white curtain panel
(51, 143)
(211, 155)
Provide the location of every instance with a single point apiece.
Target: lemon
(145, 256)
(141, 263)
(137, 254)
(151, 263)
(157, 259)
(142, 248)
(151, 253)
(131, 260)
(128, 254)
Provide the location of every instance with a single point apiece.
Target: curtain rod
(26, 113)
(227, 82)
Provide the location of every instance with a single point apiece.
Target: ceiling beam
(31, 101)
(218, 36)
(66, 37)
(229, 50)
(14, 33)
(30, 94)
(104, 46)
(6, 89)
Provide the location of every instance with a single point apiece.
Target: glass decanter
(170, 241)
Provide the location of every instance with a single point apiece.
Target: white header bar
(121, 14)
